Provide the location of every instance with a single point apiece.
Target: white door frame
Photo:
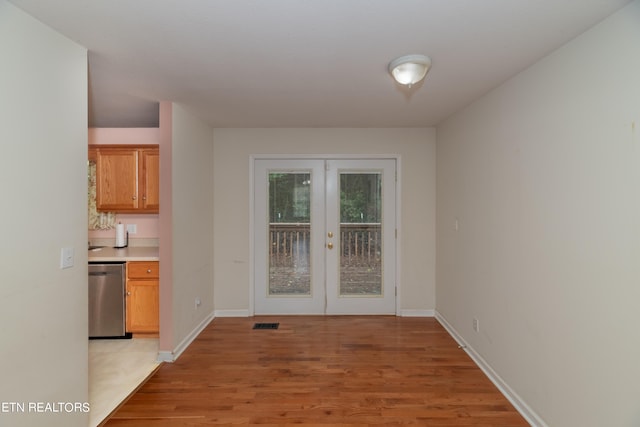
(254, 157)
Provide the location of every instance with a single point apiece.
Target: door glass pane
(360, 234)
(289, 233)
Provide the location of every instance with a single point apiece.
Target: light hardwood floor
(327, 371)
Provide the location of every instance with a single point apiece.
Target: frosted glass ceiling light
(410, 69)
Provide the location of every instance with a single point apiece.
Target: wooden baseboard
(417, 313)
(521, 406)
(146, 335)
(232, 313)
(172, 356)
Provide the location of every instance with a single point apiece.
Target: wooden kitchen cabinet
(143, 297)
(127, 178)
(151, 180)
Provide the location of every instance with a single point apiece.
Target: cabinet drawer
(143, 269)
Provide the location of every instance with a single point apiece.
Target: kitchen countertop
(135, 253)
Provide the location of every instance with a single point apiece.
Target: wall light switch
(132, 228)
(66, 257)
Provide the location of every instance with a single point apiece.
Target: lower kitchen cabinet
(143, 297)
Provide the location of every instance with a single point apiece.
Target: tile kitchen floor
(116, 368)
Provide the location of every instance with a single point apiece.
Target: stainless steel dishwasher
(107, 300)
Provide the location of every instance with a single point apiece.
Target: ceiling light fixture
(410, 69)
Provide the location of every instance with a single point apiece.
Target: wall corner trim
(172, 356)
(521, 406)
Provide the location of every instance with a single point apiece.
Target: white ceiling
(305, 63)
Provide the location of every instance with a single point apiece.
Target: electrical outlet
(198, 302)
(132, 228)
(476, 325)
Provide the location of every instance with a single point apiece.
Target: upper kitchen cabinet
(127, 178)
(151, 179)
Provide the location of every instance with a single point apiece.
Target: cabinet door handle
(149, 271)
(128, 293)
(133, 197)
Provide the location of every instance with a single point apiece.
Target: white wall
(543, 175)
(192, 224)
(43, 182)
(232, 151)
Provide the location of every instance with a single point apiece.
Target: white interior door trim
(254, 157)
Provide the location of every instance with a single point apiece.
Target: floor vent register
(266, 325)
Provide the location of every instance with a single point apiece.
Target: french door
(324, 236)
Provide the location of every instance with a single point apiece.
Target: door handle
(330, 234)
(330, 245)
